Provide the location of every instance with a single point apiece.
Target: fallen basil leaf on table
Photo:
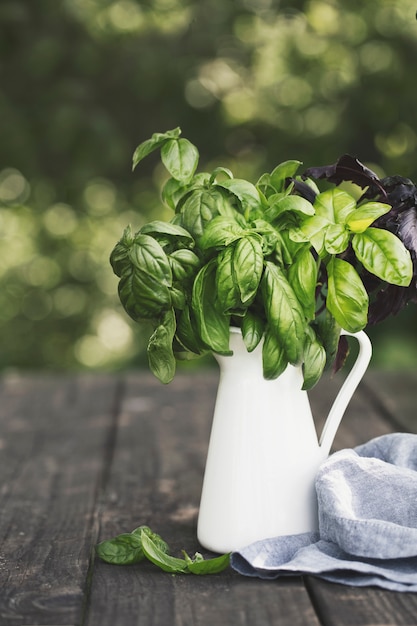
(125, 549)
(157, 539)
(163, 560)
(141, 543)
(201, 566)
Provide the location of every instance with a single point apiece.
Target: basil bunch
(279, 259)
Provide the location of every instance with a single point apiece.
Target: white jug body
(263, 453)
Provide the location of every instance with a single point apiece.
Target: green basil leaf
(172, 232)
(163, 560)
(149, 260)
(360, 219)
(264, 184)
(334, 205)
(302, 276)
(144, 287)
(247, 193)
(247, 263)
(336, 238)
(286, 249)
(384, 255)
(156, 539)
(197, 558)
(179, 273)
(219, 232)
(283, 311)
(270, 235)
(200, 207)
(313, 229)
(286, 169)
(328, 331)
(156, 141)
(202, 566)
(314, 362)
(161, 357)
(178, 296)
(252, 330)
(184, 264)
(296, 204)
(125, 549)
(347, 299)
(143, 296)
(180, 157)
(187, 334)
(175, 191)
(274, 359)
(212, 323)
(225, 204)
(220, 170)
(226, 285)
(119, 257)
(172, 192)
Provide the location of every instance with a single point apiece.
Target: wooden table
(86, 457)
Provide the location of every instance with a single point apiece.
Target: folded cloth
(367, 503)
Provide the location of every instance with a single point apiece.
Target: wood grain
(84, 458)
(54, 435)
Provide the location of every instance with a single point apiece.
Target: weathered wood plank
(231, 599)
(340, 605)
(54, 444)
(156, 480)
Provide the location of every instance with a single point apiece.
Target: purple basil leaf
(341, 354)
(304, 190)
(402, 221)
(324, 171)
(399, 192)
(347, 168)
(390, 301)
(407, 230)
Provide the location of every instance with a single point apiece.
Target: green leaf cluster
(142, 543)
(285, 269)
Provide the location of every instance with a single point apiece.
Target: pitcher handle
(347, 390)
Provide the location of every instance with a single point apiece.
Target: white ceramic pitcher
(264, 452)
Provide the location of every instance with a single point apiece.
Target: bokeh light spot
(100, 196)
(376, 56)
(294, 92)
(113, 331)
(44, 272)
(401, 140)
(320, 120)
(60, 220)
(69, 300)
(14, 187)
(126, 15)
(90, 351)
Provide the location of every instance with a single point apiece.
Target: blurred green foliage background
(250, 82)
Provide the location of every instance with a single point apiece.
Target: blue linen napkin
(367, 502)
